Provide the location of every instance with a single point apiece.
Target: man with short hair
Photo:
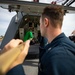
(58, 57)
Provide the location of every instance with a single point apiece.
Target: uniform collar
(55, 42)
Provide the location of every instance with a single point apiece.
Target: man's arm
(16, 66)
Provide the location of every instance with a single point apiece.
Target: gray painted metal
(11, 31)
(30, 7)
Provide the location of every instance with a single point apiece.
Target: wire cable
(71, 2)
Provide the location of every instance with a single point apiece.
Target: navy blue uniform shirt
(59, 57)
(17, 70)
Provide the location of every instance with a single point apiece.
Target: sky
(5, 18)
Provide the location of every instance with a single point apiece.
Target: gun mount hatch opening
(30, 22)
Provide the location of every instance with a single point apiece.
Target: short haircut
(55, 14)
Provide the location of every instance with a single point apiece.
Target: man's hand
(14, 43)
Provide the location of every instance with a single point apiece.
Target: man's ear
(46, 22)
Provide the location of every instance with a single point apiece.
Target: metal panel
(11, 31)
(33, 7)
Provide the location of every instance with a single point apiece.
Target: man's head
(51, 16)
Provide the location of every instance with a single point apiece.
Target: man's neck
(53, 34)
